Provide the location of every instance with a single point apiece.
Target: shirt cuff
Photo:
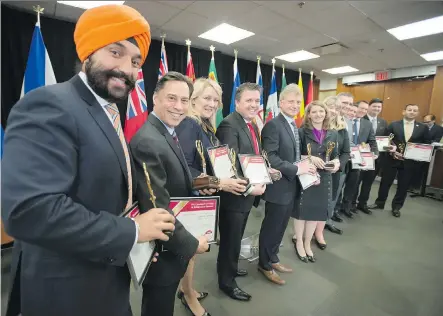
(137, 229)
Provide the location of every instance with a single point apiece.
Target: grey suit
(170, 177)
(279, 143)
(64, 185)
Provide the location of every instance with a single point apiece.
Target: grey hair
(290, 88)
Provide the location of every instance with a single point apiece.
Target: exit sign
(382, 75)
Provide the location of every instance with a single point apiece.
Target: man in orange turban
(67, 177)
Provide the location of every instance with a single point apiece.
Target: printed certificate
(255, 169)
(220, 161)
(418, 152)
(364, 148)
(367, 164)
(198, 215)
(356, 155)
(307, 180)
(141, 255)
(382, 142)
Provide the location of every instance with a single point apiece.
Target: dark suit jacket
(170, 177)
(279, 143)
(436, 133)
(64, 183)
(343, 148)
(188, 132)
(234, 132)
(420, 134)
(365, 134)
(382, 126)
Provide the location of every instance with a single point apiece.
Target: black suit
(279, 143)
(234, 209)
(403, 169)
(343, 149)
(436, 133)
(64, 185)
(170, 177)
(365, 135)
(368, 177)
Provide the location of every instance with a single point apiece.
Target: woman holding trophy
(318, 143)
(196, 134)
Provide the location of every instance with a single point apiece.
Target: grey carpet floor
(380, 266)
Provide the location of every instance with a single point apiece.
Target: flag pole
(188, 43)
(39, 10)
(212, 48)
(283, 68)
(163, 36)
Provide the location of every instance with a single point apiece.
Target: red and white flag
(190, 65)
(163, 69)
(137, 112)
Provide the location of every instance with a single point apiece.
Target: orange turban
(107, 24)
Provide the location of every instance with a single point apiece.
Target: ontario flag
(163, 69)
(190, 66)
(137, 112)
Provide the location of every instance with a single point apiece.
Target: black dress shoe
(376, 206)
(347, 213)
(336, 218)
(236, 293)
(364, 209)
(201, 295)
(183, 300)
(311, 258)
(242, 272)
(304, 259)
(320, 245)
(354, 209)
(333, 229)
(396, 212)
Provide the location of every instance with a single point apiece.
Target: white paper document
(382, 141)
(255, 169)
(307, 180)
(418, 152)
(220, 161)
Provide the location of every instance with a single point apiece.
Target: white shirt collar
(372, 117)
(99, 99)
(288, 118)
(408, 122)
(170, 130)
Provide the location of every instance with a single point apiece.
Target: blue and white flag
(39, 70)
(234, 86)
(272, 105)
(259, 80)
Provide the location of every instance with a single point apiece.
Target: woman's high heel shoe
(183, 300)
(304, 258)
(320, 245)
(311, 258)
(201, 295)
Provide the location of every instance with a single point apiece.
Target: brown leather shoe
(281, 268)
(272, 276)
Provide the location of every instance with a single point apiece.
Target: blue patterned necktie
(297, 141)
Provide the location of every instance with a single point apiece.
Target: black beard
(98, 80)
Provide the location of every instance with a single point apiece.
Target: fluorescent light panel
(433, 56)
(340, 70)
(297, 56)
(226, 34)
(88, 4)
(418, 29)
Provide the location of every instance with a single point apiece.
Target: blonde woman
(314, 202)
(336, 123)
(200, 125)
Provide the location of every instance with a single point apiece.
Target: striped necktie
(297, 141)
(115, 116)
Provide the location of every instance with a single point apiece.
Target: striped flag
(137, 111)
(300, 116)
(235, 85)
(163, 69)
(258, 120)
(39, 70)
(310, 97)
(272, 105)
(213, 75)
(190, 65)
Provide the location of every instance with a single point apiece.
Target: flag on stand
(259, 80)
(39, 70)
(163, 69)
(213, 75)
(235, 85)
(299, 117)
(272, 104)
(190, 65)
(310, 97)
(137, 112)
(283, 79)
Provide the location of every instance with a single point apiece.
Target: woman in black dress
(315, 201)
(200, 125)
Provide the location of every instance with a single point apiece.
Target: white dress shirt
(373, 120)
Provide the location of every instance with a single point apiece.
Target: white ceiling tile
(155, 13)
(427, 44)
(178, 4)
(195, 24)
(221, 9)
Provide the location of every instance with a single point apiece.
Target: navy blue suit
(64, 183)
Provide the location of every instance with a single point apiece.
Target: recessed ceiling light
(418, 29)
(297, 56)
(433, 56)
(340, 70)
(226, 34)
(88, 4)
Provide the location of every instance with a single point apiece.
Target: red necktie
(254, 138)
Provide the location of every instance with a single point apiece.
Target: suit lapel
(401, 129)
(361, 130)
(245, 129)
(102, 120)
(310, 134)
(178, 152)
(288, 128)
